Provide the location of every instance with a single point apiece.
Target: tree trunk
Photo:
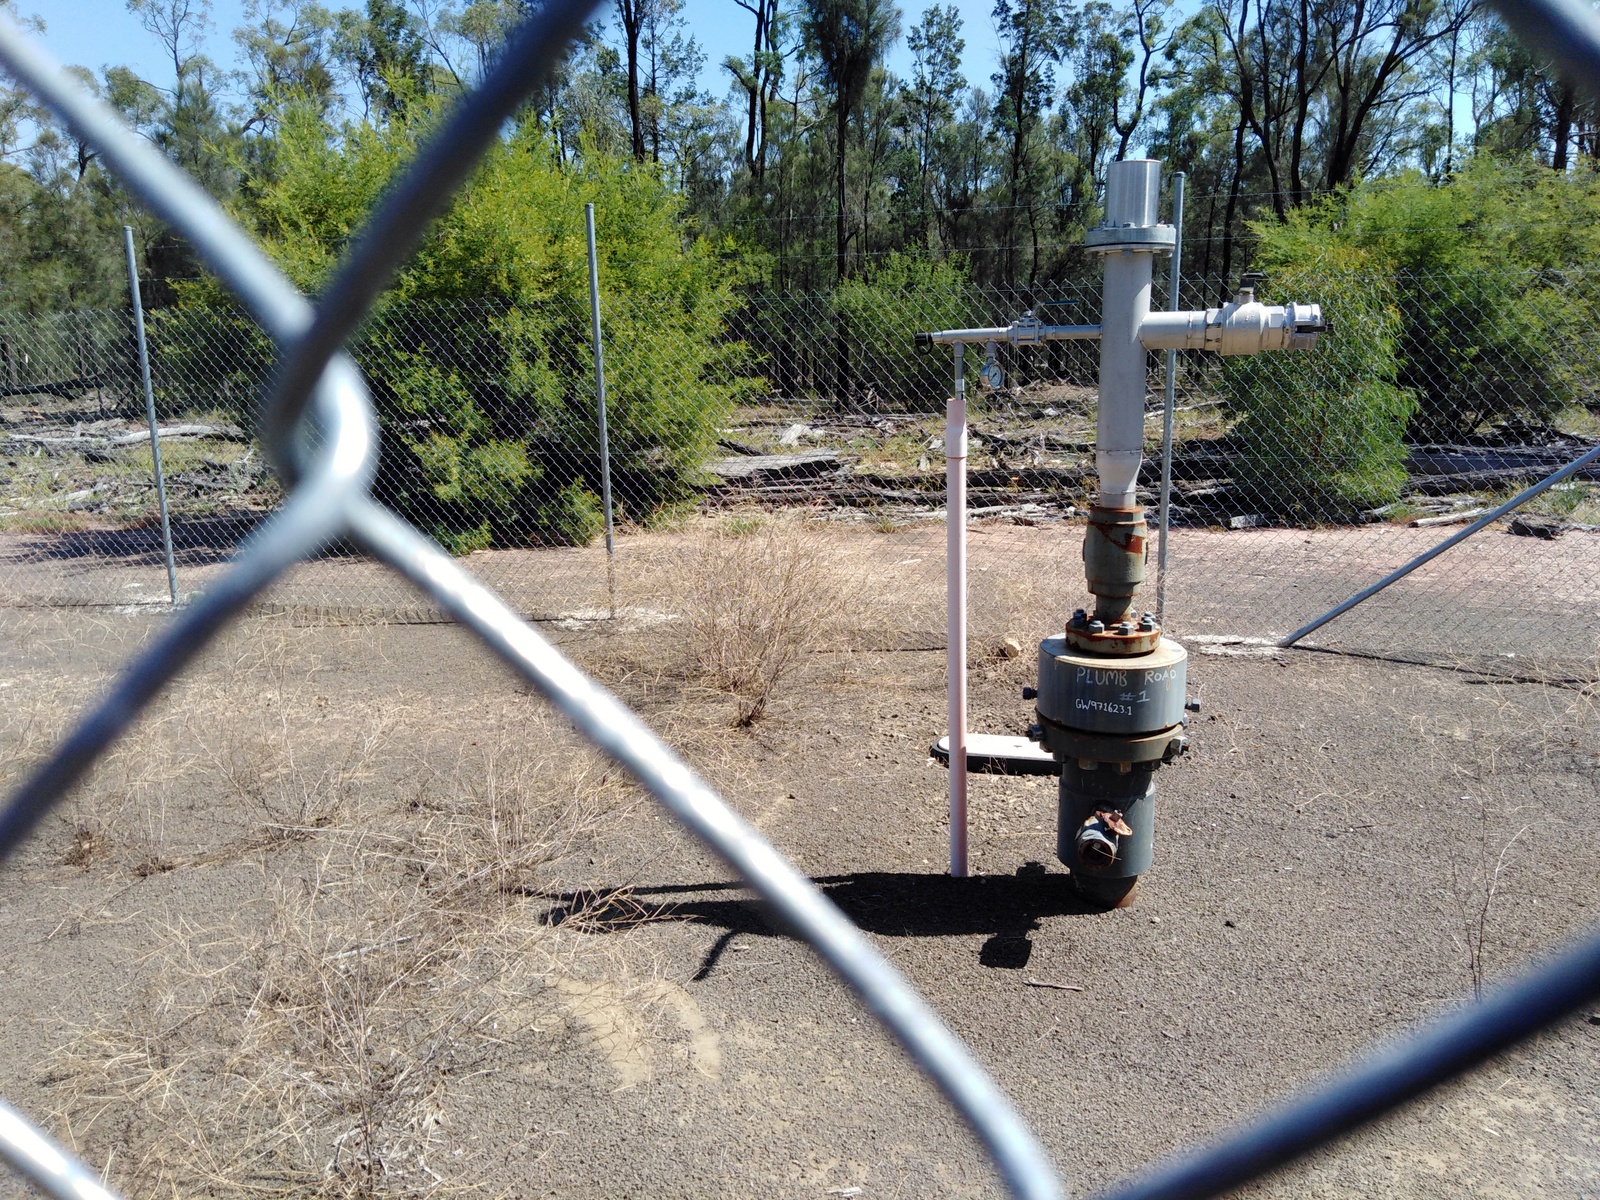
(632, 14)
(1233, 205)
(1566, 103)
(841, 347)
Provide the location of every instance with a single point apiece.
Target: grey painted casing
(1141, 694)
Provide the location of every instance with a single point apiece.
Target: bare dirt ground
(351, 915)
(1516, 604)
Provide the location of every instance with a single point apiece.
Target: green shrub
(880, 313)
(1492, 325)
(572, 517)
(479, 358)
(1322, 432)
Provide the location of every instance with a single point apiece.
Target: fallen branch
(1459, 517)
(78, 443)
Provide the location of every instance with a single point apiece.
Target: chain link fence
(1298, 479)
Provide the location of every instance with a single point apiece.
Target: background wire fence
(1293, 488)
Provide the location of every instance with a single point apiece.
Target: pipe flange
(1121, 696)
(1108, 239)
(1124, 638)
(1163, 746)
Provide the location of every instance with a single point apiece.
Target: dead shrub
(758, 597)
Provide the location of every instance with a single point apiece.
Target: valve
(1241, 326)
(1027, 330)
(992, 376)
(1097, 840)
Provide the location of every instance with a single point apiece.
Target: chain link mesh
(1292, 486)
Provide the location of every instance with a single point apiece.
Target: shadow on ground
(1008, 908)
(196, 542)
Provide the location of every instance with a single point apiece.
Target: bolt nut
(1097, 626)
(1035, 733)
(1125, 628)
(1030, 693)
(1192, 705)
(1079, 617)
(1147, 624)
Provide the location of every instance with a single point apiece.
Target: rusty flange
(1136, 635)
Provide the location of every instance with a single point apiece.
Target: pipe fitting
(1115, 547)
(1106, 820)
(1242, 326)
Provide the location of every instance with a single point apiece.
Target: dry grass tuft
(757, 598)
(308, 1046)
(307, 1041)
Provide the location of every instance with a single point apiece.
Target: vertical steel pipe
(1133, 194)
(150, 412)
(955, 606)
(600, 404)
(1170, 401)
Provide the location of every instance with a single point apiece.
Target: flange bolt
(1079, 616)
(1030, 693)
(1035, 732)
(1192, 705)
(1125, 628)
(1097, 626)
(1147, 624)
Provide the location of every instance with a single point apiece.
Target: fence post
(150, 411)
(1171, 399)
(600, 404)
(955, 606)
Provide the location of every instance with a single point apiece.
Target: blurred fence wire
(481, 479)
(1298, 479)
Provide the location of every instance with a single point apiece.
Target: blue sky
(94, 33)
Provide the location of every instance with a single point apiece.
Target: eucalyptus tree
(385, 51)
(848, 38)
(1034, 34)
(759, 77)
(928, 104)
(1529, 110)
(1329, 89)
(288, 49)
(671, 59)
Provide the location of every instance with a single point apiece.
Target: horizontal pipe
(1013, 334)
(1174, 330)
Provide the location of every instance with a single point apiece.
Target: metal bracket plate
(996, 754)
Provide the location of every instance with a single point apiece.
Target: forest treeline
(817, 163)
(1403, 162)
